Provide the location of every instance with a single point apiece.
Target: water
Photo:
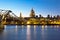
(30, 32)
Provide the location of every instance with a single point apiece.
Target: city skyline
(43, 7)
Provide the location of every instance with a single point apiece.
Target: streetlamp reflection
(28, 32)
(35, 32)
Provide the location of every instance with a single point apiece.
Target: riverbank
(1, 26)
(31, 24)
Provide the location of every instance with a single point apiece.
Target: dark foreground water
(30, 32)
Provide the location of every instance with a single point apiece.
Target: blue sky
(43, 7)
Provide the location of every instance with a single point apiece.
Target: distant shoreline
(31, 24)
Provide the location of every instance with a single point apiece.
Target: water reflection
(35, 32)
(1, 34)
(42, 32)
(16, 28)
(35, 27)
(55, 26)
(28, 33)
(43, 26)
(46, 27)
(4, 27)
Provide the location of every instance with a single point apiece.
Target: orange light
(28, 22)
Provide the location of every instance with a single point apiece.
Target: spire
(32, 14)
(20, 14)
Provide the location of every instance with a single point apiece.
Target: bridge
(7, 15)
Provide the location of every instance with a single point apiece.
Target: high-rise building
(32, 14)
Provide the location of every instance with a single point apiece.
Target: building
(32, 14)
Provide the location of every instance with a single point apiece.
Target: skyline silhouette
(43, 7)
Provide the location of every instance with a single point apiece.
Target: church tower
(20, 15)
(32, 14)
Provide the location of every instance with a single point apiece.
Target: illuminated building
(32, 14)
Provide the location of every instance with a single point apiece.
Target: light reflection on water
(42, 32)
(30, 32)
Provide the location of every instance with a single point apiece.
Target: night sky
(43, 7)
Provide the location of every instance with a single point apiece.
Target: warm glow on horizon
(42, 7)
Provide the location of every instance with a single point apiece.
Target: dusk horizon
(29, 19)
(43, 7)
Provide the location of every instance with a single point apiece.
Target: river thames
(30, 32)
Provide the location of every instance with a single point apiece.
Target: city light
(28, 22)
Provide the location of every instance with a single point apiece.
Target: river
(30, 32)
